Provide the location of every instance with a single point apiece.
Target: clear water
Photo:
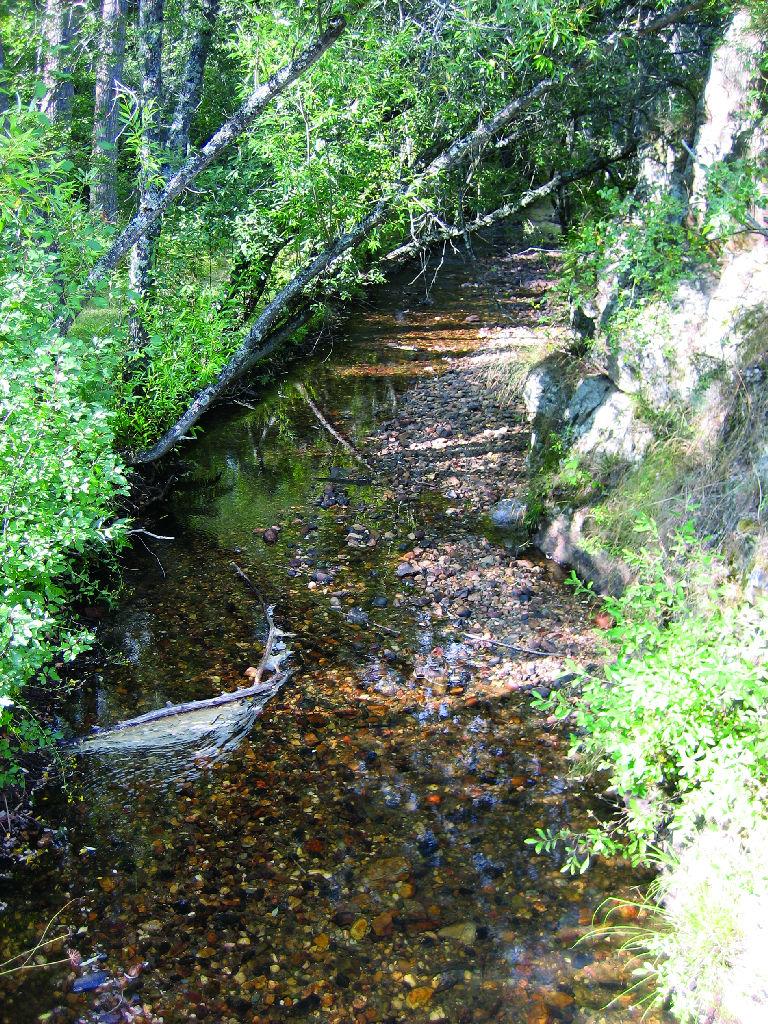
(354, 852)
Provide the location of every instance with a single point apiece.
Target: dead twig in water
(273, 631)
(271, 635)
(475, 639)
(356, 481)
(246, 580)
(41, 943)
(385, 629)
(154, 554)
(345, 444)
(146, 533)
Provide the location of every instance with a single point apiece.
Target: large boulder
(603, 422)
(546, 392)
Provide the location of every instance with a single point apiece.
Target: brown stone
(419, 997)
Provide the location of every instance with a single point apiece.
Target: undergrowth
(677, 725)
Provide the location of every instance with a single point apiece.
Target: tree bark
(109, 72)
(286, 299)
(228, 133)
(191, 89)
(3, 94)
(142, 255)
(406, 252)
(58, 27)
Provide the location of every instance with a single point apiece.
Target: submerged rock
(508, 512)
(464, 932)
(90, 982)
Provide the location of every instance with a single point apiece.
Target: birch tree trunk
(109, 72)
(228, 133)
(191, 89)
(151, 54)
(58, 26)
(285, 300)
(4, 103)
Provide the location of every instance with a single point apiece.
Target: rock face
(611, 427)
(708, 329)
(593, 416)
(538, 223)
(699, 356)
(546, 392)
(729, 109)
(562, 540)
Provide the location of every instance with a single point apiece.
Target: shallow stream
(355, 853)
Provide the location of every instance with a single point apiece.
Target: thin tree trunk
(141, 267)
(191, 89)
(285, 300)
(3, 94)
(57, 28)
(287, 296)
(407, 251)
(228, 133)
(109, 72)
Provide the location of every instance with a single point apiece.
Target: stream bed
(356, 852)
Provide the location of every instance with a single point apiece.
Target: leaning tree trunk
(191, 88)
(285, 301)
(109, 71)
(143, 254)
(287, 297)
(158, 157)
(229, 132)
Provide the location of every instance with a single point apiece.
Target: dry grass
(511, 354)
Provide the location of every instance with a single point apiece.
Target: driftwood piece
(256, 689)
(270, 687)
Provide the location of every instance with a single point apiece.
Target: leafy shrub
(59, 474)
(646, 248)
(709, 953)
(681, 706)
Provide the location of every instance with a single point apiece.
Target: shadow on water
(356, 853)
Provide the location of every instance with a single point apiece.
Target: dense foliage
(99, 107)
(59, 472)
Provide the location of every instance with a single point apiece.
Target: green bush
(681, 706)
(646, 247)
(59, 474)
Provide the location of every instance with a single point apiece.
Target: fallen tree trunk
(245, 356)
(256, 689)
(248, 353)
(228, 133)
(405, 252)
